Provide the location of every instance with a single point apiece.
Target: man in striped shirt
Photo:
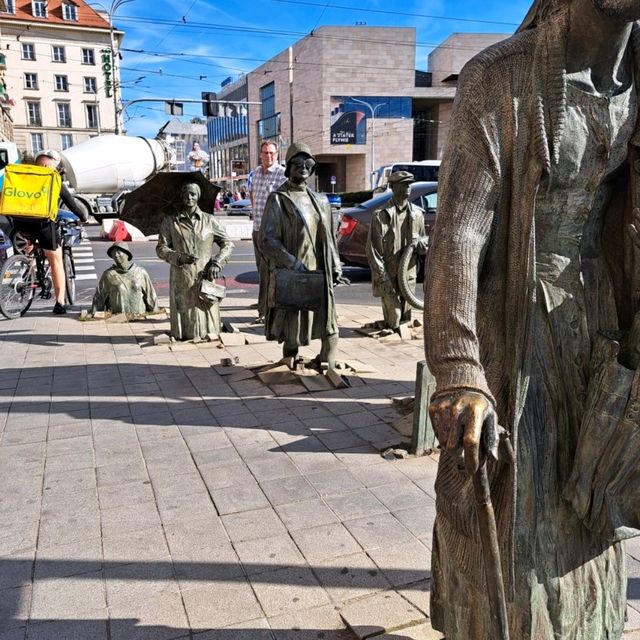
(266, 178)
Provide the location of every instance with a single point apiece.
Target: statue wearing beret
(392, 229)
(125, 287)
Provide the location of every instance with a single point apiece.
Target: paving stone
(401, 495)
(355, 505)
(287, 490)
(141, 516)
(147, 545)
(272, 467)
(327, 541)
(334, 482)
(251, 629)
(130, 584)
(349, 577)
(418, 632)
(418, 595)
(239, 498)
(405, 563)
(122, 495)
(288, 589)
(202, 561)
(378, 474)
(306, 514)
(216, 477)
(363, 456)
(379, 530)
(252, 525)
(68, 630)
(68, 558)
(70, 597)
(220, 604)
(378, 613)
(267, 554)
(419, 520)
(16, 570)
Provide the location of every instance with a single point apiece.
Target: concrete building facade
(353, 94)
(60, 72)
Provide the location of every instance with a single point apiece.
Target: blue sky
(179, 49)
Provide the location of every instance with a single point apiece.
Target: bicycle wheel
(17, 287)
(69, 276)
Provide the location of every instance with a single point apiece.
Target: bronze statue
(186, 242)
(298, 240)
(529, 262)
(125, 287)
(392, 229)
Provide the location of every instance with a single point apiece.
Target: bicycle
(28, 270)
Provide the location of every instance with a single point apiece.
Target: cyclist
(48, 234)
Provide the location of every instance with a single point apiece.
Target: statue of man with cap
(125, 287)
(297, 234)
(392, 229)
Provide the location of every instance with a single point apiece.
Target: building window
(39, 8)
(58, 54)
(34, 117)
(36, 143)
(61, 83)
(93, 116)
(64, 114)
(30, 80)
(268, 99)
(28, 51)
(69, 11)
(66, 141)
(11, 6)
(90, 85)
(88, 56)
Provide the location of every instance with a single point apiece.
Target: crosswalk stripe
(87, 276)
(81, 260)
(85, 267)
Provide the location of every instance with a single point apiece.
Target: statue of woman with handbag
(297, 239)
(186, 242)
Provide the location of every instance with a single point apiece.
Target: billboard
(348, 126)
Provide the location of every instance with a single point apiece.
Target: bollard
(423, 437)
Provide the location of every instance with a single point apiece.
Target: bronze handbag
(300, 290)
(212, 291)
(604, 487)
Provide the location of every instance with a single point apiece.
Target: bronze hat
(297, 149)
(401, 176)
(121, 246)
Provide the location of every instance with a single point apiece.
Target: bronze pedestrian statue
(298, 240)
(125, 287)
(186, 241)
(392, 230)
(531, 262)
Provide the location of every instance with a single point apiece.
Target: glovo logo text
(13, 192)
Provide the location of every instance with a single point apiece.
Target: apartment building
(61, 72)
(353, 94)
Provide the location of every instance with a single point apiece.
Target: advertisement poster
(348, 126)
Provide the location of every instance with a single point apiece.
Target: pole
(116, 84)
(373, 133)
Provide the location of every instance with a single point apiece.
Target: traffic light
(209, 109)
(173, 108)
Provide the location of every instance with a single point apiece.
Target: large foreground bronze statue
(186, 241)
(531, 259)
(298, 241)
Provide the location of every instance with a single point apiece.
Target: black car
(355, 222)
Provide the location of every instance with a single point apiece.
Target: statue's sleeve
(467, 198)
(149, 293)
(100, 297)
(373, 247)
(221, 238)
(164, 248)
(271, 233)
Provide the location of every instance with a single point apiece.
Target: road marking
(84, 261)
(86, 276)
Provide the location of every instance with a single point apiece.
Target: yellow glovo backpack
(30, 191)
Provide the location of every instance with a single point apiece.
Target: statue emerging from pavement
(530, 259)
(125, 287)
(392, 229)
(298, 240)
(186, 242)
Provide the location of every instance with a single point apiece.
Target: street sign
(333, 179)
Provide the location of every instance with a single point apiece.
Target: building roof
(87, 17)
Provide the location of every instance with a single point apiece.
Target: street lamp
(111, 12)
(373, 133)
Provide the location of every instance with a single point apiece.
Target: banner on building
(348, 126)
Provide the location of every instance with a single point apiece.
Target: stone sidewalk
(148, 492)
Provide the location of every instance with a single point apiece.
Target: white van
(423, 171)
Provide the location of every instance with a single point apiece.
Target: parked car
(239, 208)
(335, 200)
(355, 222)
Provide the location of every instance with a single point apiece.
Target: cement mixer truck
(103, 169)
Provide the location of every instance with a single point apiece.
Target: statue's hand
(421, 245)
(186, 258)
(300, 266)
(466, 426)
(212, 270)
(634, 227)
(338, 278)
